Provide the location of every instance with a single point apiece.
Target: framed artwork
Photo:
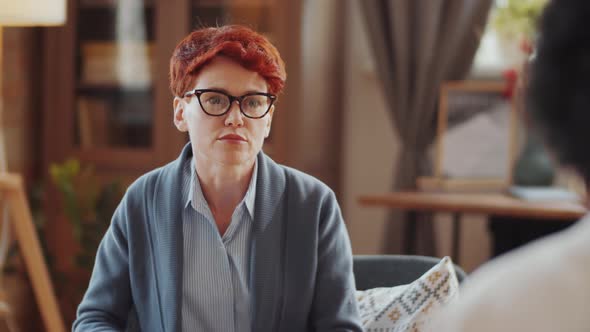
(476, 136)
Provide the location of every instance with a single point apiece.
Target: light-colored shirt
(216, 294)
(544, 286)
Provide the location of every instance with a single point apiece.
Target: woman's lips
(232, 138)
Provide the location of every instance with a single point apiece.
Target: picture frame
(476, 138)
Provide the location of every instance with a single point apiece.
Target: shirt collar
(187, 176)
(194, 194)
(250, 195)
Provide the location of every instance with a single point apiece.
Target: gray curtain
(418, 44)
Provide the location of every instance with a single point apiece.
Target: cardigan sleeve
(107, 301)
(334, 306)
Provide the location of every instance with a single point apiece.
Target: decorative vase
(534, 166)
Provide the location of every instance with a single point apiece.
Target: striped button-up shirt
(216, 294)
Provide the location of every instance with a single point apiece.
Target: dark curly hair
(558, 94)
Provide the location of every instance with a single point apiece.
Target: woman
(223, 238)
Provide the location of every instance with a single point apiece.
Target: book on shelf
(542, 194)
(130, 64)
(225, 3)
(107, 3)
(93, 122)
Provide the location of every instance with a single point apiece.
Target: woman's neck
(223, 186)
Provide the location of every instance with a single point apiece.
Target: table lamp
(22, 13)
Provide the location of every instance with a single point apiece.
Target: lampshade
(32, 12)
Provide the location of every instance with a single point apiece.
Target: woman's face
(230, 139)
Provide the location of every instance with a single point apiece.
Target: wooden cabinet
(106, 96)
(105, 102)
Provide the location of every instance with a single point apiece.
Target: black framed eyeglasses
(254, 105)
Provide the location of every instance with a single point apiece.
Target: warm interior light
(32, 12)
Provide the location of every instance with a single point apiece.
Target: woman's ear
(179, 120)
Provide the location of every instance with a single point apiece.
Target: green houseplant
(88, 205)
(514, 23)
(518, 18)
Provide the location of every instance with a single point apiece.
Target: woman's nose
(234, 116)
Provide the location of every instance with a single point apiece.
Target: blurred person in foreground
(544, 286)
(223, 238)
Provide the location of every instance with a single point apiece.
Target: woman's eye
(214, 100)
(253, 103)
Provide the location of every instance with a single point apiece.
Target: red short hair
(245, 46)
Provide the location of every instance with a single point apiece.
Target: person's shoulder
(543, 264)
(552, 255)
(539, 287)
(147, 183)
(306, 183)
(163, 174)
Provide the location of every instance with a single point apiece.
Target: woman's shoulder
(147, 183)
(303, 180)
(303, 186)
(146, 180)
(169, 174)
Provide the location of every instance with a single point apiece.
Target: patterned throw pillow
(408, 307)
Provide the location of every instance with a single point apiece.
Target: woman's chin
(235, 157)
